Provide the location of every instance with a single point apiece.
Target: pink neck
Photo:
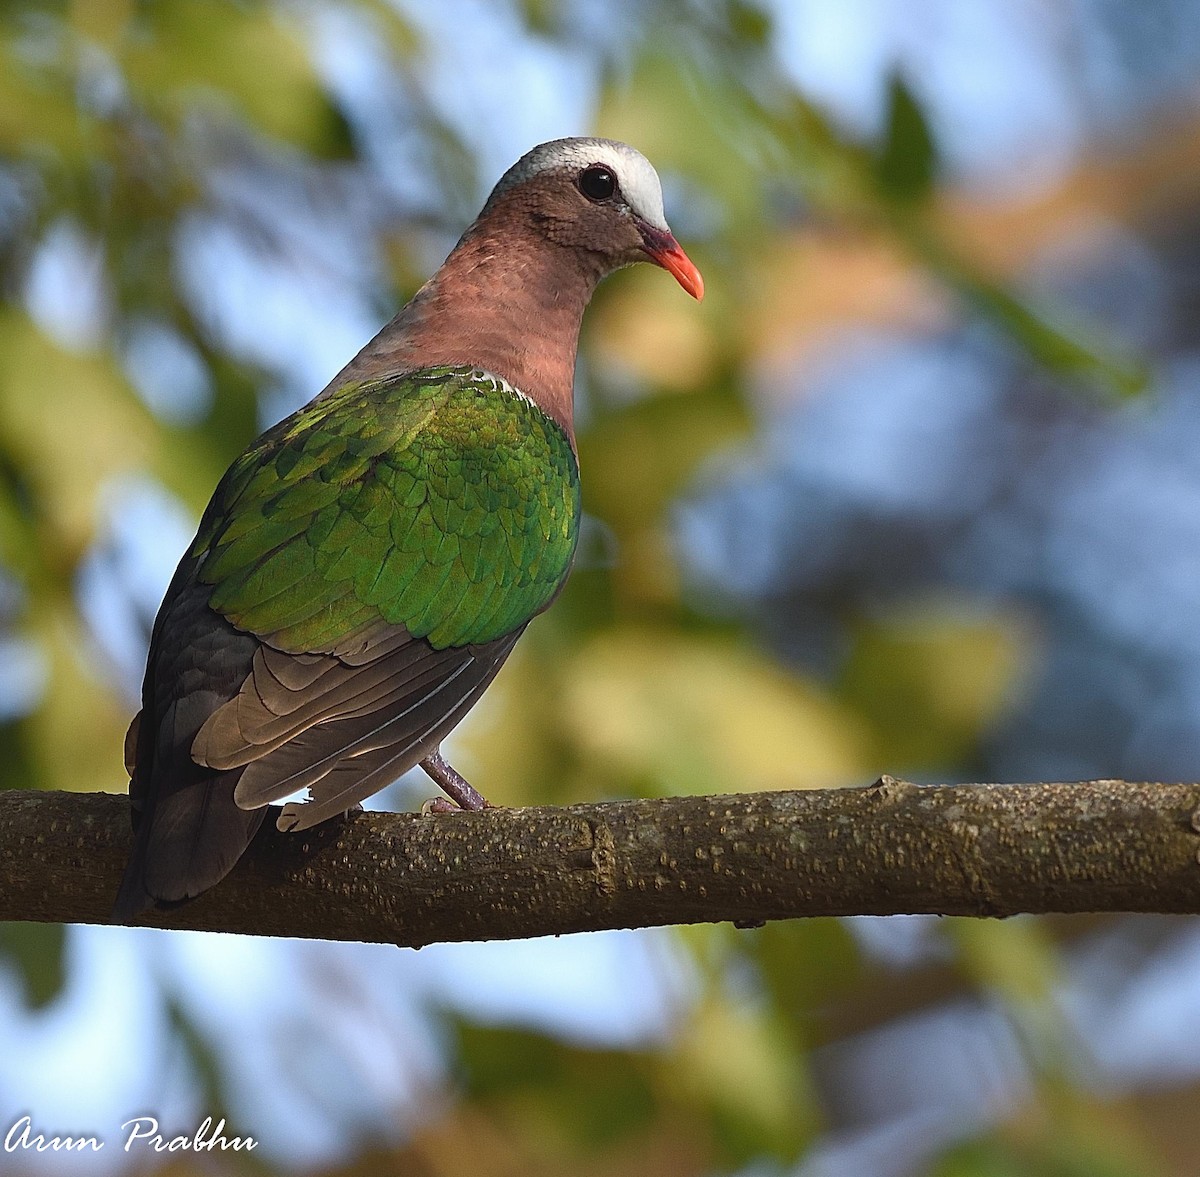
(511, 304)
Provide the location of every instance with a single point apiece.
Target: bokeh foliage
(129, 127)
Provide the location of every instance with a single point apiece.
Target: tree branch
(978, 850)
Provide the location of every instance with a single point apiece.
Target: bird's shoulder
(450, 414)
(441, 500)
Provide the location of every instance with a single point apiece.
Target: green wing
(442, 501)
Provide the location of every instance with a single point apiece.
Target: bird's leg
(455, 786)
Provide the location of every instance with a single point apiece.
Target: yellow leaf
(702, 714)
(71, 422)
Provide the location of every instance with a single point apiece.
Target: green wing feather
(441, 500)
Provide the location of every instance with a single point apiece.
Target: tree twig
(977, 850)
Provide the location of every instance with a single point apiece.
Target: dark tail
(186, 842)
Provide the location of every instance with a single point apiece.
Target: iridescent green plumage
(442, 501)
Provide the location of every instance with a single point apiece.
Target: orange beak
(665, 251)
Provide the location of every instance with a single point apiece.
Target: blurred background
(914, 490)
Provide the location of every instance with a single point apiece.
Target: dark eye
(597, 182)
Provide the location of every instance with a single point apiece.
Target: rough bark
(976, 850)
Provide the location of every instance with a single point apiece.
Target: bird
(366, 566)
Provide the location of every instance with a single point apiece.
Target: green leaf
(931, 679)
(35, 952)
(1074, 353)
(735, 1062)
(224, 57)
(907, 163)
(1016, 958)
(1056, 1154)
(595, 1096)
(544, 17)
(748, 24)
(806, 966)
(732, 720)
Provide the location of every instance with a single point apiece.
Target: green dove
(365, 567)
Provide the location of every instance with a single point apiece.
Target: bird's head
(599, 197)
